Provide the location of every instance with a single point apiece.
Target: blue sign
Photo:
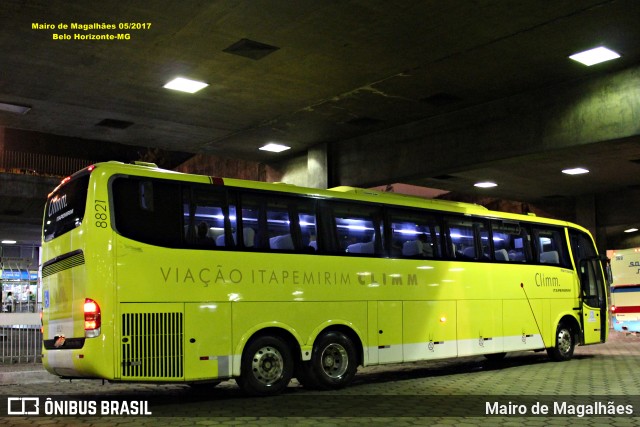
(18, 275)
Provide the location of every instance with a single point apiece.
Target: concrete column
(587, 216)
(317, 166)
(586, 212)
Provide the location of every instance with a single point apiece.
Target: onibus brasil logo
(48, 406)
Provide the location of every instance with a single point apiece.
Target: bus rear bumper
(631, 326)
(76, 363)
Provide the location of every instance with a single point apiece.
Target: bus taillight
(92, 321)
(613, 308)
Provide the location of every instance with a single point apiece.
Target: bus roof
(342, 192)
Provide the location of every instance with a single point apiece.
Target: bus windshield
(65, 208)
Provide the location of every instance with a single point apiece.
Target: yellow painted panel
(426, 321)
(207, 340)
(479, 327)
(429, 329)
(390, 331)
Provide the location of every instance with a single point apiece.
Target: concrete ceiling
(307, 72)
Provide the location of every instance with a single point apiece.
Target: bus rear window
(65, 208)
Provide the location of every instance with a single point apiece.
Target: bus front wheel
(333, 360)
(267, 366)
(565, 344)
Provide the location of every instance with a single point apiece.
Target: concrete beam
(22, 200)
(562, 116)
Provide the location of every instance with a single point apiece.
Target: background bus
(625, 290)
(151, 275)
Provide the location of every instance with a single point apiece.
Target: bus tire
(333, 361)
(267, 366)
(565, 344)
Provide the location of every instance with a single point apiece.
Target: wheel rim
(564, 341)
(335, 361)
(267, 365)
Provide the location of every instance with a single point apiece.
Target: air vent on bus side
(152, 345)
(63, 262)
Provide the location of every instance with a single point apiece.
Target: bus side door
(594, 309)
(593, 298)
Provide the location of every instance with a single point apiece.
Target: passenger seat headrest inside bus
(361, 248)
(248, 234)
(502, 255)
(550, 257)
(412, 248)
(284, 242)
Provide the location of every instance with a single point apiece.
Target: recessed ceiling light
(185, 85)
(13, 108)
(8, 242)
(631, 230)
(575, 171)
(485, 184)
(274, 148)
(595, 56)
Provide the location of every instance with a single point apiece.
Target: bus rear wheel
(565, 344)
(333, 361)
(267, 366)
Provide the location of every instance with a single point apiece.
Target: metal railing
(40, 164)
(20, 338)
(20, 344)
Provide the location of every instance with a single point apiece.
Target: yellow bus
(155, 276)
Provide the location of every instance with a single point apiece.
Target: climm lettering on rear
(57, 204)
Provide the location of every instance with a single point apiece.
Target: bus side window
(510, 242)
(469, 239)
(279, 224)
(550, 246)
(156, 219)
(357, 229)
(414, 235)
(253, 224)
(204, 215)
(308, 229)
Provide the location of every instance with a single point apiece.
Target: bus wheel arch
(567, 336)
(337, 352)
(268, 362)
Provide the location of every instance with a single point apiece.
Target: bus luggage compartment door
(207, 341)
(389, 331)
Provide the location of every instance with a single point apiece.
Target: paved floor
(599, 380)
